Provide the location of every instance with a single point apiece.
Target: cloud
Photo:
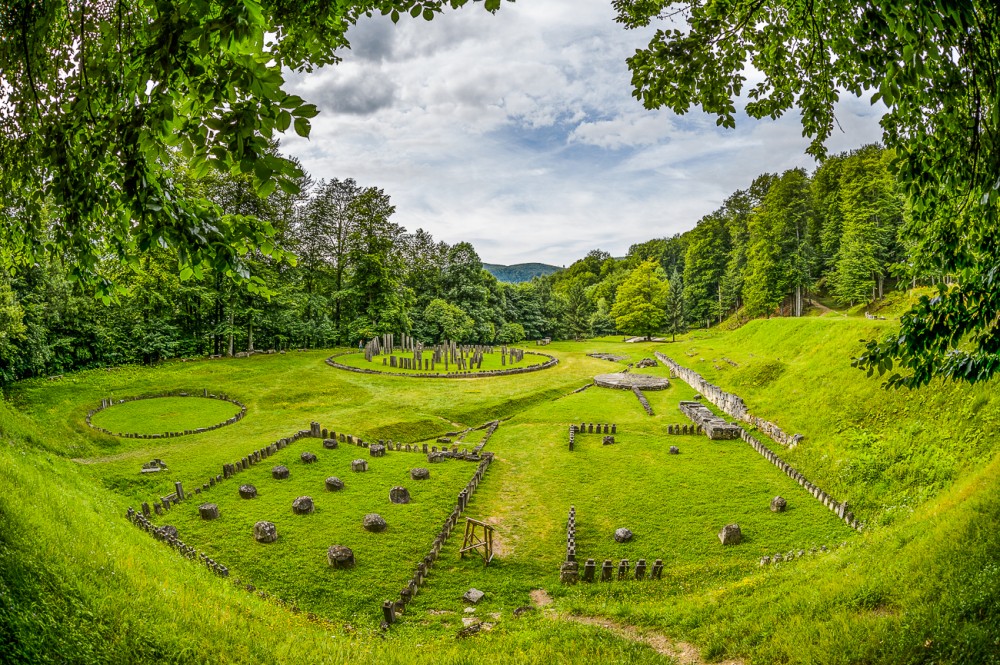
(518, 132)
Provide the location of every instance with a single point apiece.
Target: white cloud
(518, 132)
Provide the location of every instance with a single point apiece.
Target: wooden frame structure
(473, 542)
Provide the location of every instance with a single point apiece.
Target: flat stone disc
(629, 380)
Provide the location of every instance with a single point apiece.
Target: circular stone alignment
(546, 361)
(164, 416)
(629, 381)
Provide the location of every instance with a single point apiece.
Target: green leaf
(266, 188)
(283, 121)
(307, 111)
(302, 127)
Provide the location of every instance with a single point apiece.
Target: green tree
(578, 310)
(778, 258)
(676, 317)
(871, 214)
(376, 264)
(737, 210)
(511, 333)
(601, 321)
(324, 229)
(642, 297)
(99, 96)
(704, 267)
(450, 322)
(933, 65)
(12, 331)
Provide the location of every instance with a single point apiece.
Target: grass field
(920, 468)
(164, 414)
(295, 568)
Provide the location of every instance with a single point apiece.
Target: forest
(344, 272)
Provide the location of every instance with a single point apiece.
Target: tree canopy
(642, 300)
(99, 97)
(934, 66)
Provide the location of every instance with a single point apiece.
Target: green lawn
(295, 567)
(164, 414)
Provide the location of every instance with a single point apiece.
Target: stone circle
(303, 505)
(308, 457)
(623, 535)
(453, 373)
(340, 556)
(778, 504)
(334, 484)
(399, 495)
(248, 492)
(208, 511)
(107, 404)
(359, 465)
(373, 522)
(420, 473)
(279, 472)
(265, 532)
(731, 535)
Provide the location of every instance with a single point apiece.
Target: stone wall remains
(729, 403)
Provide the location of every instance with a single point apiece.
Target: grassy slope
(919, 587)
(921, 467)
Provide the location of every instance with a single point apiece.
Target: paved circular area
(628, 381)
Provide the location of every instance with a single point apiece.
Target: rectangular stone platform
(714, 426)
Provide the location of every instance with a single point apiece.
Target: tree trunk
(230, 353)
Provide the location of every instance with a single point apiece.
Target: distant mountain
(521, 272)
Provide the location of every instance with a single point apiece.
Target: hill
(520, 272)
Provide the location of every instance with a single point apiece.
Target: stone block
(303, 505)
(265, 532)
(731, 535)
(399, 495)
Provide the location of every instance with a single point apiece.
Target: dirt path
(682, 652)
(820, 306)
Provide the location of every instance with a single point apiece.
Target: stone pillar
(623, 567)
(179, 489)
(588, 570)
(640, 569)
(388, 612)
(657, 570)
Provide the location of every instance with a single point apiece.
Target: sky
(518, 132)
